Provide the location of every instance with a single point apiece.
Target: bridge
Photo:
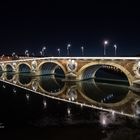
(73, 70)
(77, 68)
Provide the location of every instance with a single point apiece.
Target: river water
(26, 114)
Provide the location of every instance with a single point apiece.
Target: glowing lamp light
(106, 42)
(68, 111)
(115, 46)
(27, 97)
(104, 121)
(69, 45)
(44, 103)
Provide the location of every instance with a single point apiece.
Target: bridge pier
(135, 86)
(70, 76)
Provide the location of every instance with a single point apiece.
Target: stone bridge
(75, 68)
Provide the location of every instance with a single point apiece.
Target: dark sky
(54, 24)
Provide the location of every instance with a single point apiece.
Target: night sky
(55, 24)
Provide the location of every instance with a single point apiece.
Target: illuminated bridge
(72, 70)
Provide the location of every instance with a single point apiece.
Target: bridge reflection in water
(112, 95)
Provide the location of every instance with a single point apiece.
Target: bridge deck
(75, 58)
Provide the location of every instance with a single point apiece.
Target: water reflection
(44, 104)
(91, 90)
(25, 78)
(103, 92)
(27, 97)
(14, 90)
(106, 119)
(37, 111)
(9, 75)
(53, 86)
(4, 86)
(42, 112)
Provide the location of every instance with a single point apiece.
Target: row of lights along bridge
(82, 49)
(43, 50)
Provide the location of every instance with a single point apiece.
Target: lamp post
(58, 51)
(82, 50)
(41, 53)
(68, 47)
(105, 43)
(115, 47)
(43, 50)
(13, 54)
(2, 56)
(27, 53)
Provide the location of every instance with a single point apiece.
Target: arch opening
(51, 75)
(104, 83)
(50, 68)
(25, 76)
(112, 75)
(24, 68)
(9, 68)
(10, 72)
(105, 73)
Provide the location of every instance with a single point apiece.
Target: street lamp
(43, 50)
(41, 53)
(115, 47)
(2, 56)
(82, 50)
(13, 54)
(105, 43)
(27, 53)
(68, 46)
(58, 51)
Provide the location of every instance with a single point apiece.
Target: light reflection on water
(34, 110)
(105, 93)
(96, 91)
(91, 91)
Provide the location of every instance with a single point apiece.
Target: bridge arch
(54, 85)
(85, 72)
(24, 67)
(24, 70)
(9, 68)
(49, 67)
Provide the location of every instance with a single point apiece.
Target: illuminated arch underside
(50, 68)
(89, 70)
